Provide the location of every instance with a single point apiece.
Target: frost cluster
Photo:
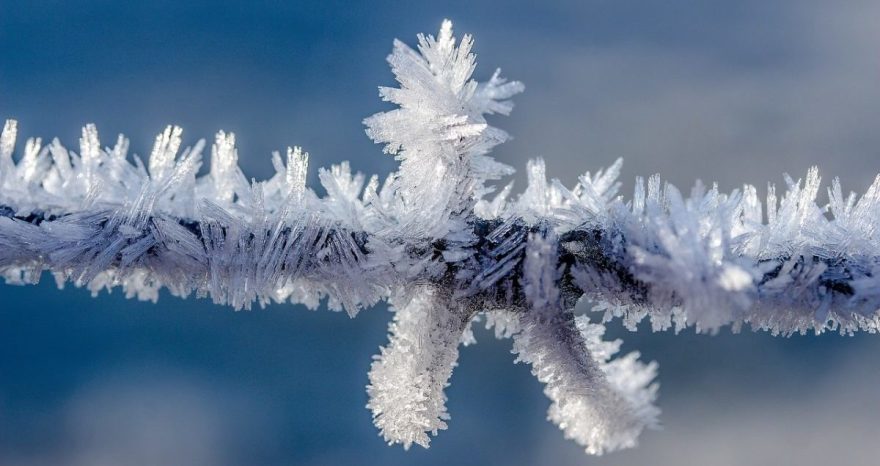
(436, 242)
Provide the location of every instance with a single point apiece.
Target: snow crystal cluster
(445, 251)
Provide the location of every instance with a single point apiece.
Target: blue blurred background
(728, 91)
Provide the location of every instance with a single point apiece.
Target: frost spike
(164, 151)
(297, 169)
(7, 146)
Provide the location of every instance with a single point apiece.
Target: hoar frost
(435, 241)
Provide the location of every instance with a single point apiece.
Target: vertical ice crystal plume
(439, 133)
(601, 403)
(408, 377)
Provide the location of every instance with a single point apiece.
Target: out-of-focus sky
(728, 91)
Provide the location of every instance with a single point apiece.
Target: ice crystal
(431, 242)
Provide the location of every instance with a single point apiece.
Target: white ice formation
(430, 243)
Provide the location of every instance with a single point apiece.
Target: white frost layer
(430, 242)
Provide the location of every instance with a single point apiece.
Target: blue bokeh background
(728, 91)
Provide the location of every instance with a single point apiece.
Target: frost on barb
(408, 377)
(601, 403)
(439, 132)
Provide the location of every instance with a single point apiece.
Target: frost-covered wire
(445, 251)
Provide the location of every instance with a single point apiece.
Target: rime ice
(432, 242)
